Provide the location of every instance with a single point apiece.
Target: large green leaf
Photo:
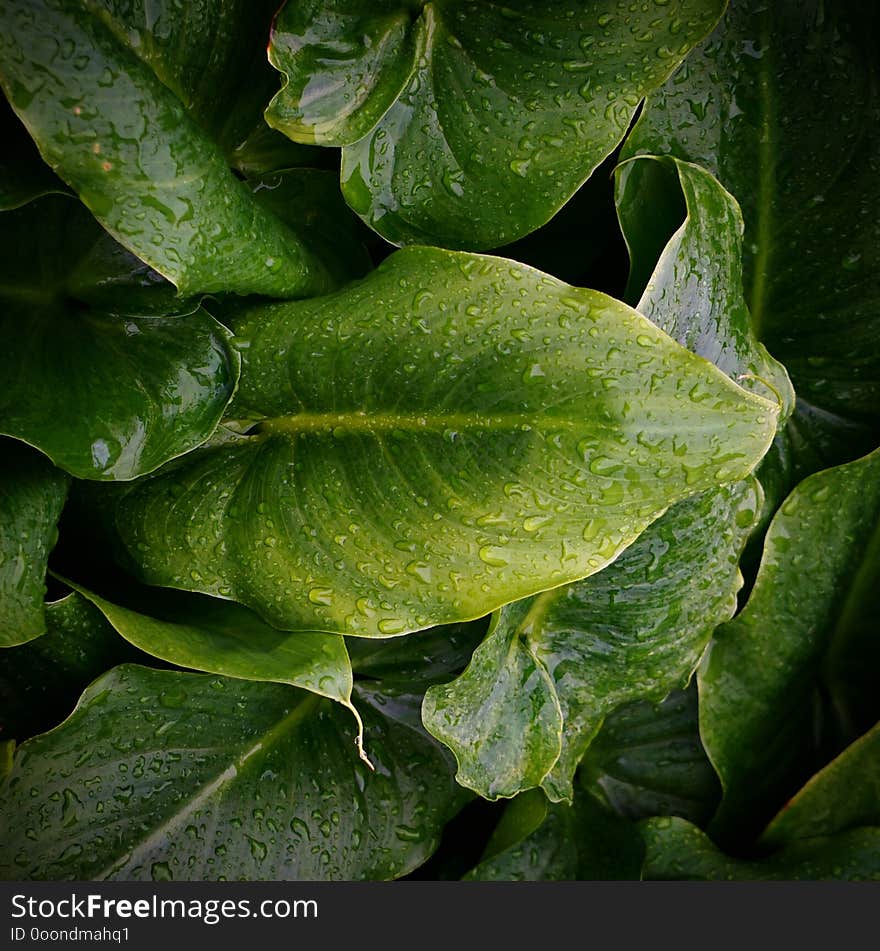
(32, 494)
(781, 102)
(808, 632)
(648, 760)
(132, 110)
(844, 795)
(159, 774)
(105, 392)
(450, 434)
(552, 667)
(467, 123)
(41, 680)
(541, 841)
(676, 850)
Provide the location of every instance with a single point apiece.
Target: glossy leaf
(648, 760)
(41, 681)
(160, 775)
(553, 667)
(32, 494)
(220, 637)
(780, 102)
(807, 630)
(119, 393)
(541, 841)
(695, 291)
(450, 434)
(843, 795)
(469, 124)
(129, 111)
(676, 850)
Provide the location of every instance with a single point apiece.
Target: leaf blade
(368, 395)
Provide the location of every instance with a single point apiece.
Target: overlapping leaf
(451, 434)
(119, 393)
(465, 123)
(134, 110)
(32, 494)
(554, 666)
(806, 632)
(220, 637)
(781, 102)
(161, 775)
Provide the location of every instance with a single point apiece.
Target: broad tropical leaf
(120, 393)
(160, 775)
(450, 434)
(170, 197)
(32, 494)
(807, 630)
(466, 123)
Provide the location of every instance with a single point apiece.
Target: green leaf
(781, 104)
(450, 434)
(23, 174)
(676, 850)
(130, 111)
(541, 841)
(465, 123)
(159, 774)
(695, 291)
(553, 667)
(221, 637)
(41, 680)
(32, 494)
(103, 391)
(807, 632)
(647, 760)
(843, 795)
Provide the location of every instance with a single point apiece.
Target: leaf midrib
(365, 421)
